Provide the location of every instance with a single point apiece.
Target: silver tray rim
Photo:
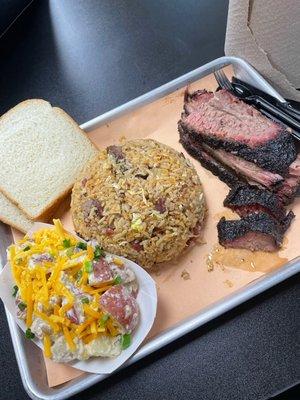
(35, 390)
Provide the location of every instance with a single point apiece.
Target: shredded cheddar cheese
(89, 338)
(47, 319)
(68, 338)
(59, 228)
(47, 346)
(62, 311)
(91, 312)
(83, 326)
(118, 262)
(90, 252)
(29, 309)
(53, 284)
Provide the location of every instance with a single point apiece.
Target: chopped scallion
(29, 335)
(98, 252)
(136, 224)
(79, 275)
(66, 243)
(85, 300)
(88, 266)
(81, 245)
(26, 248)
(117, 280)
(103, 320)
(70, 251)
(15, 290)
(126, 341)
(22, 306)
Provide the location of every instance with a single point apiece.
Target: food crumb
(122, 139)
(220, 265)
(209, 263)
(201, 241)
(228, 283)
(185, 275)
(210, 267)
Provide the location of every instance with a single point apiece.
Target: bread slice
(10, 214)
(42, 151)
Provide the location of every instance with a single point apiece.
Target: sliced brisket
(245, 168)
(294, 168)
(290, 186)
(288, 190)
(254, 232)
(248, 199)
(230, 168)
(253, 155)
(224, 122)
(226, 174)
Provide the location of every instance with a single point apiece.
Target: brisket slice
(288, 191)
(231, 169)
(223, 121)
(257, 231)
(248, 199)
(291, 184)
(225, 174)
(245, 168)
(242, 170)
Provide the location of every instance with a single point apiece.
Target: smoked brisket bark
(248, 199)
(228, 167)
(254, 232)
(252, 172)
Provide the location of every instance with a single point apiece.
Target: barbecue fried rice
(142, 200)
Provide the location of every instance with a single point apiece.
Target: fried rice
(142, 200)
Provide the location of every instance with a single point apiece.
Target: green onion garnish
(88, 266)
(81, 245)
(126, 341)
(79, 275)
(85, 300)
(15, 290)
(66, 243)
(117, 280)
(26, 248)
(29, 334)
(70, 251)
(103, 320)
(136, 224)
(22, 306)
(98, 252)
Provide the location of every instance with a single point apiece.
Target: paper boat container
(147, 301)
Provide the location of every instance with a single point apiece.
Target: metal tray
(29, 357)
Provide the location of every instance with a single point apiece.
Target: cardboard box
(266, 33)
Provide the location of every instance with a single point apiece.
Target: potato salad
(79, 301)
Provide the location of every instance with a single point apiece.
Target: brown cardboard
(180, 298)
(266, 33)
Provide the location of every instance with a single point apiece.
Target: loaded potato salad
(79, 301)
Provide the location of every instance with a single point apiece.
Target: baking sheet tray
(30, 359)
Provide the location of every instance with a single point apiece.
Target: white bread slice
(10, 214)
(42, 151)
